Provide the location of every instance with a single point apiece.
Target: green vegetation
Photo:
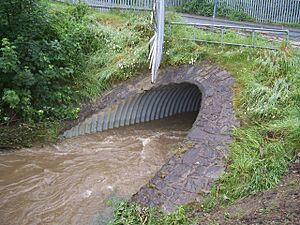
(40, 61)
(127, 213)
(205, 8)
(54, 56)
(267, 103)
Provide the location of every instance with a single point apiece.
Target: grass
(130, 213)
(125, 50)
(266, 102)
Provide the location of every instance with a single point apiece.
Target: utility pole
(157, 41)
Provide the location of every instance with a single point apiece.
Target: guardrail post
(194, 32)
(253, 38)
(199, 32)
(287, 38)
(222, 35)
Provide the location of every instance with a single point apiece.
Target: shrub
(199, 7)
(42, 59)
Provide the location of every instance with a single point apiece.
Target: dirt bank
(280, 205)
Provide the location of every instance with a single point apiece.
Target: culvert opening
(157, 103)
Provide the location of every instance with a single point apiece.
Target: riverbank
(279, 205)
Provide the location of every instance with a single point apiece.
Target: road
(294, 33)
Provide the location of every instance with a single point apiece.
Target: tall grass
(124, 52)
(129, 213)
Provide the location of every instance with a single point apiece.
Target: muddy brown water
(69, 182)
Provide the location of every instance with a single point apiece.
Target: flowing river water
(70, 181)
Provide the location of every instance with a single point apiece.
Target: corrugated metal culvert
(158, 103)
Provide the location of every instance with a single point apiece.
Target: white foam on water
(87, 193)
(145, 141)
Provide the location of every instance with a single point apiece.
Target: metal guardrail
(222, 28)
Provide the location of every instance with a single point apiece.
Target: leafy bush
(39, 63)
(199, 7)
(51, 60)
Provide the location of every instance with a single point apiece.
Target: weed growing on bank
(130, 213)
